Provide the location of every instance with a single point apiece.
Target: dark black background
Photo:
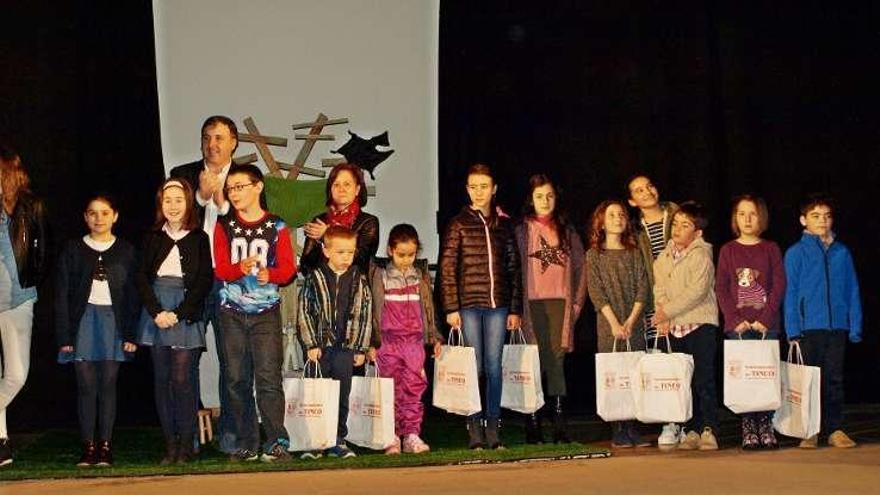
(710, 99)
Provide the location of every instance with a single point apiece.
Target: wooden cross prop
(262, 142)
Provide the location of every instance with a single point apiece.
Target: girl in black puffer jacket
(481, 287)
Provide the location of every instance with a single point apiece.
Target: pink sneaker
(412, 444)
(394, 448)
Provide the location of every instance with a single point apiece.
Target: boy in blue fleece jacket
(823, 309)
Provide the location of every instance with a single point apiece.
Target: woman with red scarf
(346, 194)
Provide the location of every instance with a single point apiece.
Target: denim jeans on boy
(485, 330)
(252, 345)
(226, 423)
(702, 345)
(337, 363)
(826, 349)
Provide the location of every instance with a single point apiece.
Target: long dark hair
(560, 222)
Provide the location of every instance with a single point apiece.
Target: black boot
(105, 454)
(184, 451)
(560, 428)
(89, 456)
(534, 435)
(170, 453)
(476, 440)
(493, 433)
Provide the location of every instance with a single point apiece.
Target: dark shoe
(476, 440)
(635, 436)
(560, 428)
(493, 433)
(243, 455)
(750, 439)
(534, 435)
(340, 451)
(89, 456)
(619, 438)
(277, 452)
(5, 452)
(105, 454)
(170, 456)
(184, 452)
(766, 433)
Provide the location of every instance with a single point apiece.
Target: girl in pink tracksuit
(403, 323)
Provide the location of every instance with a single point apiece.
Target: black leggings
(174, 386)
(96, 385)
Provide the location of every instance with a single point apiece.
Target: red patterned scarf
(344, 217)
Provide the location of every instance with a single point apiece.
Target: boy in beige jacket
(686, 310)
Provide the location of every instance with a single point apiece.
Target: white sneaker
(669, 437)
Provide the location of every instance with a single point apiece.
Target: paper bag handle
(451, 341)
(317, 365)
(795, 346)
(512, 337)
(668, 344)
(614, 345)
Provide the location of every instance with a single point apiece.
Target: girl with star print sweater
(551, 261)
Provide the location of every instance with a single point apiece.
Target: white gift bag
(521, 388)
(456, 383)
(799, 415)
(615, 379)
(751, 375)
(311, 411)
(663, 388)
(371, 410)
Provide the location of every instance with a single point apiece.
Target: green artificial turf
(137, 452)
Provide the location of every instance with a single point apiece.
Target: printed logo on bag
(613, 381)
(452, 378)
(735, 368)
(372, 410)
(793, 396)
(308, 411)
(660, 384)
(518, 377)
(290, 409)
(767, 372)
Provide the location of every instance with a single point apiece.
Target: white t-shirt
(100, 293)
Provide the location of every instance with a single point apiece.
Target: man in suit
(207, 178)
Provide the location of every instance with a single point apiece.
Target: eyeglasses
(237, 187)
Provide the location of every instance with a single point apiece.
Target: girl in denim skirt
(174, 279)
(95, 307)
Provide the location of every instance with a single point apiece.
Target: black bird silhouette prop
(363, 153)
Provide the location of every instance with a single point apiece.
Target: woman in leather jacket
(481, 286)
(22, 249)
(346, 195)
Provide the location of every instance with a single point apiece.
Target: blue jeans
(338, 363)
(485, 330)
(252, 344)
(226, 423)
